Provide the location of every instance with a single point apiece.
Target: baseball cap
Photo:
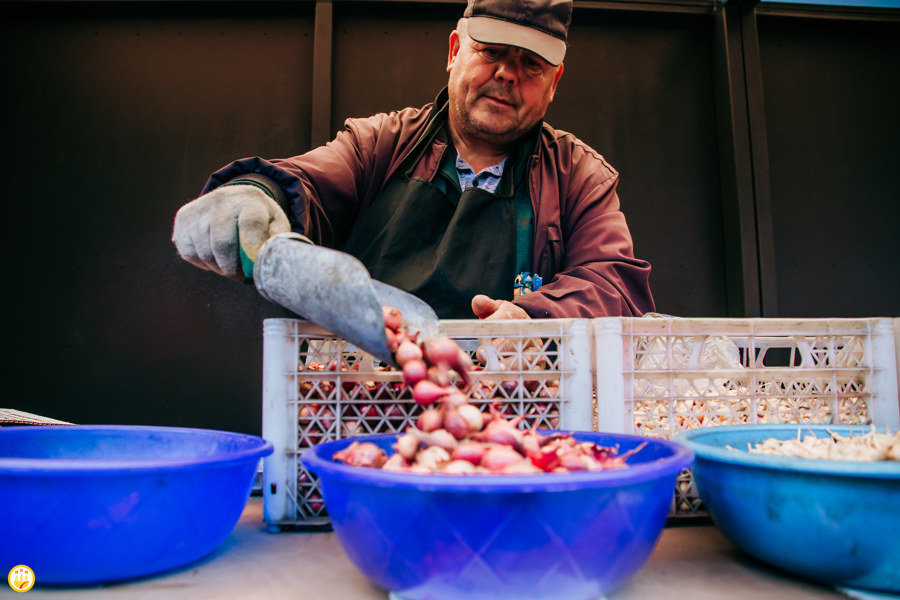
(540, 26)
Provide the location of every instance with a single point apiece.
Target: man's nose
(508, 71)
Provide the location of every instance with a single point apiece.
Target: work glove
(223, 230)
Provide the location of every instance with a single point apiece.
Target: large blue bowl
(482, 537)
(832, 521)
(95, 504)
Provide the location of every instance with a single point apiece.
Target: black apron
(413, 237)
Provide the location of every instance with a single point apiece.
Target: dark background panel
(115, 121)
(638, 88)
(389, 56)
(831, 98)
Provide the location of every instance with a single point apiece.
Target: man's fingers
(258, 221)
(488, 308)
(212, 231)
(191, 236)
(483, 306)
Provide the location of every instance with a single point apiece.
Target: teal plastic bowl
(83, 505)
(547, 536)
(831, 521)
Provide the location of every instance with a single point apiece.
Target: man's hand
(213, 231)
(505, 349)
(488, 308)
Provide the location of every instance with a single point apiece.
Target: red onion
(414, 371)
(446, 353)
(407, 351)
(427, 392)
(365, 454)
(439, 376)
(407, 446)
(455, 399)
(458, 467)
(440, 438)
(440, 351)
(470, 451)
(531, 442)
(393, 318)
(500, 431)
(496, 458)
(472, 415)
(429, 420)
(431, 458)
(455, 423)
(395, 463)
(523, 467)
(391, 337)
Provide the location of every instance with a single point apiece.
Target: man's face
(497, 93)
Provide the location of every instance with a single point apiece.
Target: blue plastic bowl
(95, 504)
(831, 521)
(528, 537)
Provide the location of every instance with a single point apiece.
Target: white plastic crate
(316, 387)
(659, 376)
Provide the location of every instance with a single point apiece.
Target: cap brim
(488, 30)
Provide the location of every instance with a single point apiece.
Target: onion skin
(546, 459)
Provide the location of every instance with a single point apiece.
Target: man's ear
(559, 72)
(454, 49)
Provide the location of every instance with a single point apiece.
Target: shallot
(452, 436)
(393, 318)
(414, 371)
(406, 352)
(427, 392)
(361, 454)
(429, 420)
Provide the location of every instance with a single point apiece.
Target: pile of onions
(453, 436)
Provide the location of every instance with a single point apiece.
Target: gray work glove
(222, 231)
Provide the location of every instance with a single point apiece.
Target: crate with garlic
(659, 375)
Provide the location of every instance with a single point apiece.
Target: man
(470, 202)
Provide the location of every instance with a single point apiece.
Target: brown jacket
(582, 246)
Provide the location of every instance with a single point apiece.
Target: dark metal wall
(756, 148)
(831, 106)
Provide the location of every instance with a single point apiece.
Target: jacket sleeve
(327, 187)
(587, 253)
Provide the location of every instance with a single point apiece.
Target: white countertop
(689, 562)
